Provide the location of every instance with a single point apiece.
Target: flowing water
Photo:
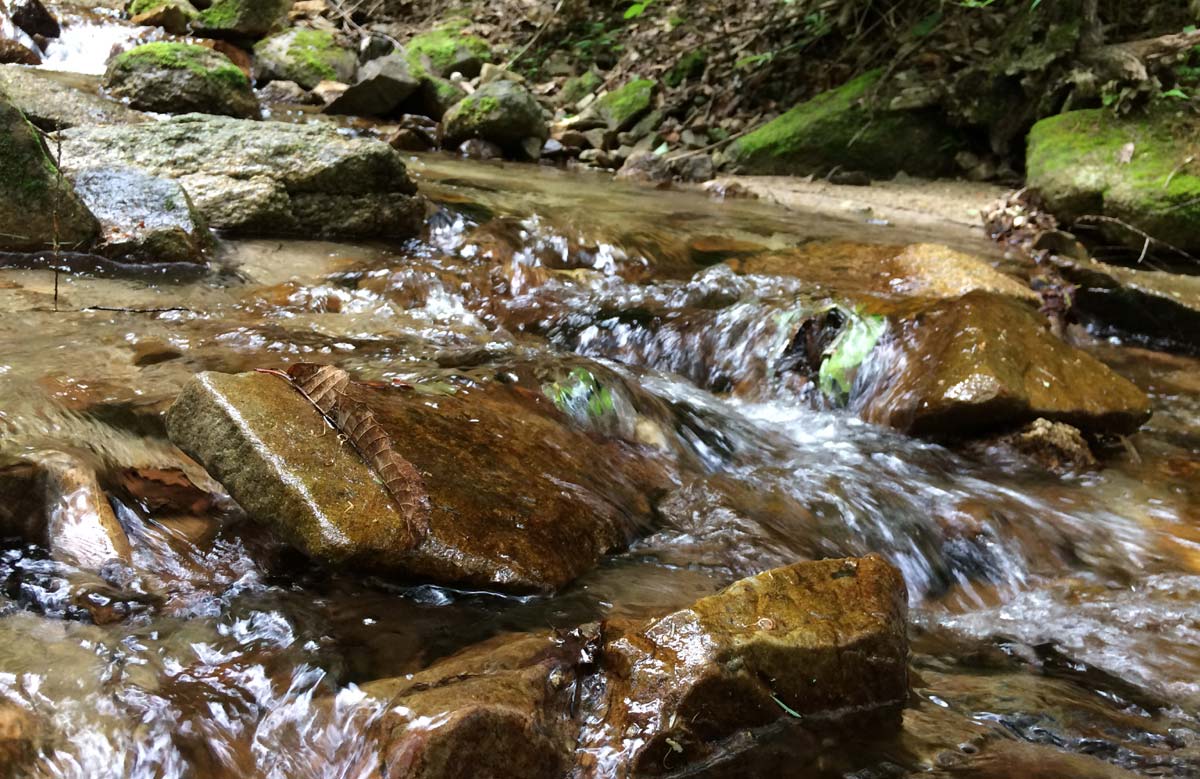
(1053, 618)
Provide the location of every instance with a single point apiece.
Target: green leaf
(852, 345)
(1176, 93)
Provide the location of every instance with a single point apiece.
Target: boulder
(268, 178)
(143, 218)
(52, 101)
(242, 18)
(383, 84)
(502, 708)
(306, 57)
(822, 642)
(38, 208)
(501, 112)
(32, 17)
(285, 92)
(838, 129)
(985, 362)
(621, 108)
(179, 78)
(1140, 170)
(518, 527)
(15, 53)
(447, 50)
(174, 16)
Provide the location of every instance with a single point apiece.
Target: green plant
(637, 9)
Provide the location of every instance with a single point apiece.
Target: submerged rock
(837, 129)
(1141, 171)
(383, 84)
(19, 733)
(501, 112)
(55, 101)
(822, 642)
(38, 208)
(269, 178)
(306, 57)
(242, 18)
(179, 78)
(143, 218)
(984, 362)
(497, 487)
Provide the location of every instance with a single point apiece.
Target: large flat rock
(55, 101)
(271, 178)
(496, 488)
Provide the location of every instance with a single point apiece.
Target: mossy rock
(33, 197)
(579, 87)
(174, 16)
(838, 129)
(306, 57)
(243, 18)
(446, 50)
(621, 108)
(1077, 161)
(180, 78)
(688, 66)
(501, 112)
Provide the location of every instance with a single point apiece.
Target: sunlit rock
(490, 484)
(269, 178)
(985, 362)
(142, 218)
(821, 642)
(304, 56)
(54, 101)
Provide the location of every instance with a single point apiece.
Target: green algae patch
(251, 18)
(180, 78)
(501, 112)
(622, 107)
(848, 351)
(1142, 170)
(838, 129)
(579, 87)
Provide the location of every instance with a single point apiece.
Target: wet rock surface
(984, 362)
(54, 101)
(142, 218)
(264, 177)
(514, 528)
(38, 208)
(179, 78)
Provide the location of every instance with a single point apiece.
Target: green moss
(1080, 162)
(475, 109)
(28, 170)
(690, 65)
(837, 128)
(575, 89)
(312, 49)
(183, 56)
(622, 107)
(444, 47)
(223, 14)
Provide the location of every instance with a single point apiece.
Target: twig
(536, 35)
(1150, 239)
(716, 145)
(136, 310)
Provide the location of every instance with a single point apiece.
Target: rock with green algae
(304, 56)
(823, 642)
(38, 208)
(174, 16)
(985, 362)
(578, 87)
(502, 112)
(488, 465)
(1141, 170)
(621, 108)
(264, 178)
(242, 18)
(838, 129)
(446, 50)
(180, 78)
(53, 101)
(143, 218)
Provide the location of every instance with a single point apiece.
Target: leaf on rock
(329, 389)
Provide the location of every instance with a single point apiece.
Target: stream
(1054, 620)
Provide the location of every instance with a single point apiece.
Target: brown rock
(515, 526)
(1055, 446)
(32, 17)
(984, 361)
(822, 641)
(18, 736)
(14, 53)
